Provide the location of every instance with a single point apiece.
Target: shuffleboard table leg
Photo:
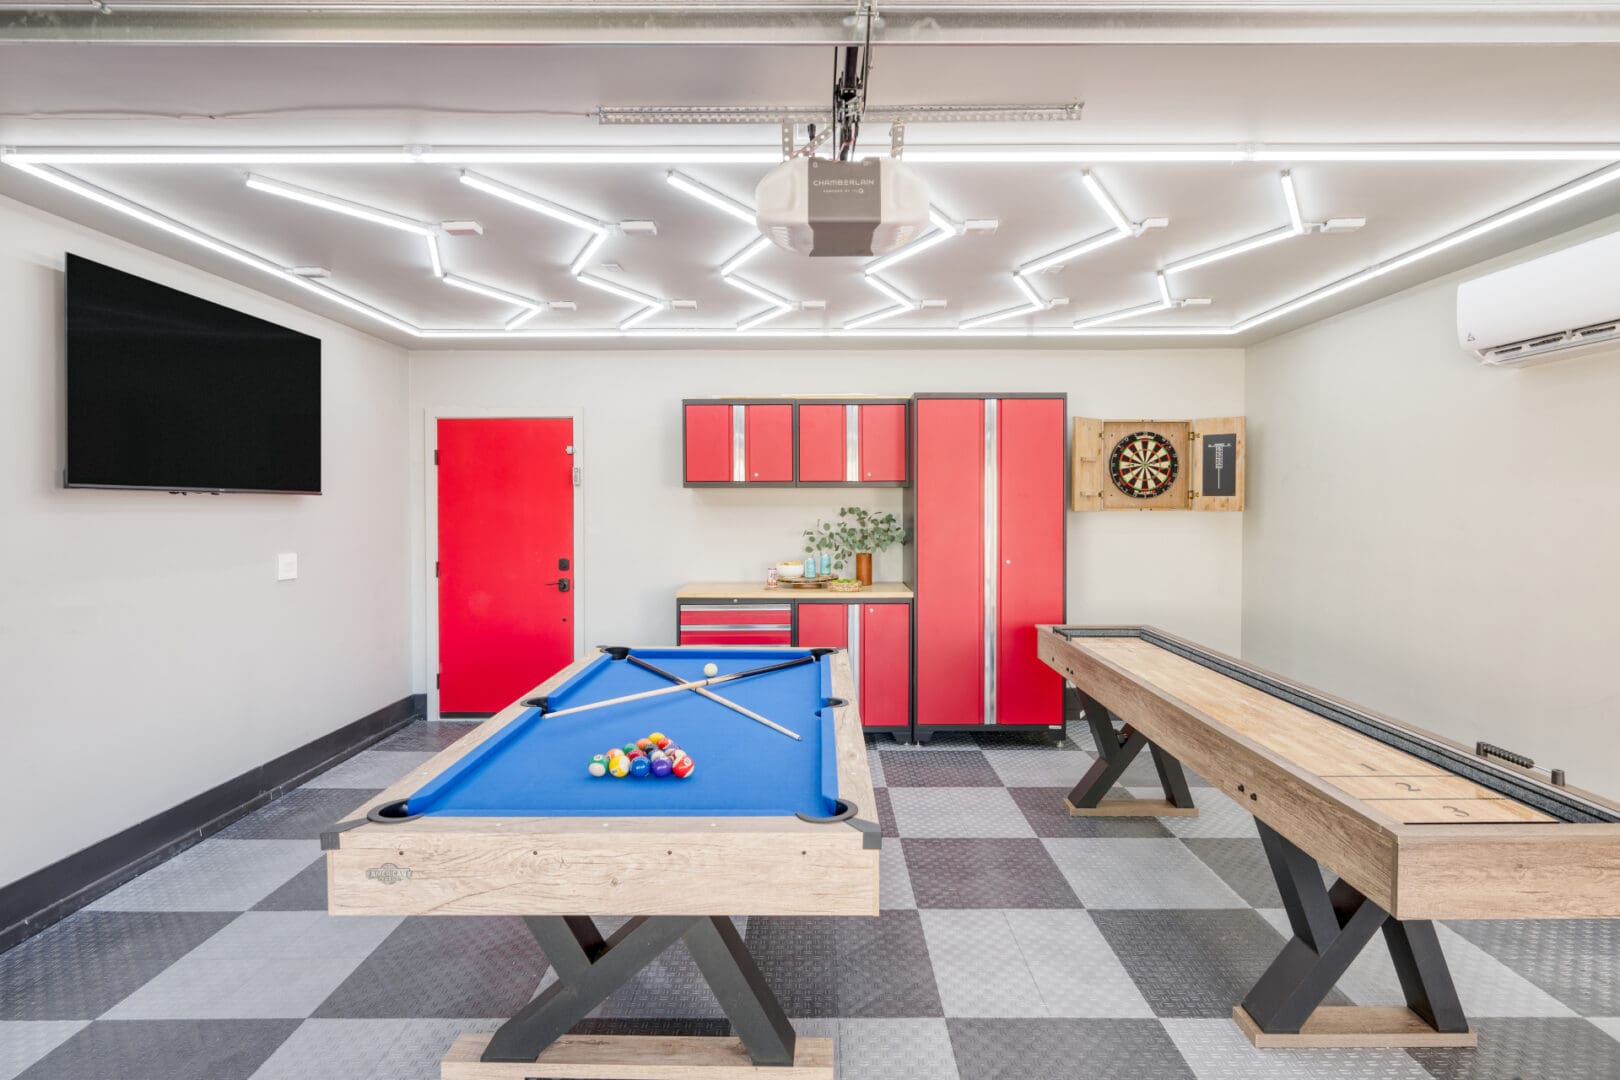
(1116, 749)
(590, 968)
(1331, 927)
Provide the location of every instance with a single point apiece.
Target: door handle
(561, 584)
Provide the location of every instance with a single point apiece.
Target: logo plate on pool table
(389, 874)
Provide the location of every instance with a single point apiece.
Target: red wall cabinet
(986, 508)
(782, 443)
(738, 442)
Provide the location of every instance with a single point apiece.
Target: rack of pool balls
(653, 756)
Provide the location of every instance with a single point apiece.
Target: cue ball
(711, 670)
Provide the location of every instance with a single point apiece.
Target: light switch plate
(287, 566)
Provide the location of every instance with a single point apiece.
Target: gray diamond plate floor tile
(1574, 960)
(1218, 1050)
(1073, 965)
(333, 1050)
(23, 1042)
(86, 964)
(1523, 1049)
(1065, 1050)
(895, 1050)
(874, 763)
(163, 1050)
(855, 967)
(1241, 863)
(1038, 766)
(216, 875)
(304, 891)
(1193, 963)
(799, 959)
(939, 769)
(1139, 874)
(985, 873)
(1043, 808)
(371, 769)
(443, 966)
(1610, 1024)
(1217, 814)
(957, 812)
(894, 880)
(303, 813)
(940, 740)
(432, 735)
(1485, 985)
(668, 988)
(978, 965)
(885, 812)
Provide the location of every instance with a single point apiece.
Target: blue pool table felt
(536, 766)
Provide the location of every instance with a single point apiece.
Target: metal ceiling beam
(809, 22)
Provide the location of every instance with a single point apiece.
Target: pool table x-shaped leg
(590, 968)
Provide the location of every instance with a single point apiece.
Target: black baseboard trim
(52, 893)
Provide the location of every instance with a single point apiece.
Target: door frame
(430, 484)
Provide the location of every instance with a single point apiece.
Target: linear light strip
(1072, 252)
(433, 255)
(617, 290)
(877, 316)
(762, 155)
(1164, 288)
(892, 293)
(587, 253)
(755, 246)
(530, 201)
(311, 197)
(522, 317)
(1227, 251)
(219, 247)
(760, 294)
(1525, 209)
(1124, 313)
(944, 229)
(704, 193)
(1291, 197)
(1106, 201)
(997, 316)
(641, 316)
(763, 317)
(1028, 290)
(491, 292)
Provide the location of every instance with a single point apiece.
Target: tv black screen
(171, 392)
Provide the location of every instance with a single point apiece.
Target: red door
(769, 430)
(823, 626)
(821, 443)
(506, 538)
(883, 442)
(885, 665)
(1030, 530)
(949, 483)
(708, 444)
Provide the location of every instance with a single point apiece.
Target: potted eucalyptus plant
(858, 532)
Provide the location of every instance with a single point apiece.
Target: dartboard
(1143, 464)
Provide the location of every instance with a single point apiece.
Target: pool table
(508, 821)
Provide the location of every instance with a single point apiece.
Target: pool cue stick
(662, 690)
(700, 691)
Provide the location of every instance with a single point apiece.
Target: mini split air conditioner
(1545, 309)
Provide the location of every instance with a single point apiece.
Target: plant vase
(863, 567)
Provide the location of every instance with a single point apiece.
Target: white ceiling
(1143, 96)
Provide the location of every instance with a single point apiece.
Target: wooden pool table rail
(611, 865)
(1535, 868)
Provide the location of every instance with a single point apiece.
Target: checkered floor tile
(1014, 941)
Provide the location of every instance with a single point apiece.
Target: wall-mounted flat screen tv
(174, 393)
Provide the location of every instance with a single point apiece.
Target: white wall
(645, 533)
(146, 649)
(1437, 540)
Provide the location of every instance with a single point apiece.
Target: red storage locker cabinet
(987, 511)
(708, 444)
(726, 623)
(884, 656)
(768, 443)
(823, 626)
(821, 444)
(883, 444)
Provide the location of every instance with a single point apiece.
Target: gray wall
(645, 533)
(1436, 539)
(146, 649)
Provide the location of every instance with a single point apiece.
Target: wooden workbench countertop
(756, 590)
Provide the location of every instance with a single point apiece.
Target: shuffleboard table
(509, 821)
(1415, 827)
